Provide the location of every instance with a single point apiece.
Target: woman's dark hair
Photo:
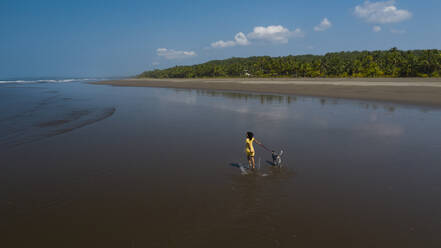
(250, 135)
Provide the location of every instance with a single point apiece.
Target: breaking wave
(49, 80)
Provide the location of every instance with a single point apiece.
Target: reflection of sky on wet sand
(363, 117)
(247, 103)
(315, 123)
(382, 129)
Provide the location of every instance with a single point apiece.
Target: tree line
(390, 63)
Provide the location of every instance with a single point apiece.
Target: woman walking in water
(249, 148)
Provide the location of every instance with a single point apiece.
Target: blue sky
(122, 38)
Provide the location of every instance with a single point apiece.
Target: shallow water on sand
(98, 166)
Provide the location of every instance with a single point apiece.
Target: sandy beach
(88, 165)
(401, 90)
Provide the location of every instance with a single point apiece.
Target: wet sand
(400, 90)
(93, 166)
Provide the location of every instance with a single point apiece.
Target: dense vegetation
(391, 63)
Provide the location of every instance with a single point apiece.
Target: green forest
(390, 63)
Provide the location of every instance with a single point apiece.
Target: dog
(277, 158)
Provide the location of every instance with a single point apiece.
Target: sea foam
(47, 81)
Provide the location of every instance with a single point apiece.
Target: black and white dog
(277, 158)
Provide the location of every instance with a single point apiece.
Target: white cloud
(376, 29)
(276, 34)
(173, 54)
(222, 44)
(381, 12)
(325, 24)
(155, 63)
(239, 40)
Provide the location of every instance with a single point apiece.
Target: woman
(249, 148)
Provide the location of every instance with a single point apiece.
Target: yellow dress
(249, 147)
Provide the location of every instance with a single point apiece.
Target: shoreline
(414, 91)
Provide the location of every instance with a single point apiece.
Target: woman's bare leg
(254, 164)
